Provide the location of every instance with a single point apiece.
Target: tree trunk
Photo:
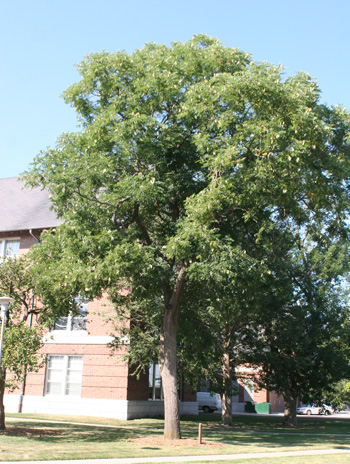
(169, 377)
(290, 410)
(2, 393)
(168, 359)
(226, 415)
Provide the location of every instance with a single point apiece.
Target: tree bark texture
(290, 410)
(168, 359)
(226, 415)
(2, 393)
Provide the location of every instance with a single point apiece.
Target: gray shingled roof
(24, 209)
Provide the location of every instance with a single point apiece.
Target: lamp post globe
(4, 303)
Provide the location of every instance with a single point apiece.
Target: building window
(64, 375)
(74, 322)
(9, 247)
(155, 390)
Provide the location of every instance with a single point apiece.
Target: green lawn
(334, 459)
(34, 439)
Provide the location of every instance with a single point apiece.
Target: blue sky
(42, 40)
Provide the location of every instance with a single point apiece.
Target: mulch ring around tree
(183, 442)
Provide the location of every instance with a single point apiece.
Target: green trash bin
(263, 408)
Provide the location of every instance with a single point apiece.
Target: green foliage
(20, 348)
(195, 163)
(21, 342)
(339, 394)
(121, 183)
(302, 348)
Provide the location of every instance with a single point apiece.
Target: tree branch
(141, 225)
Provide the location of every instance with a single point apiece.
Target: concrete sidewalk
(212, 458)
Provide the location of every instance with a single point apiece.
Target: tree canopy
(183, 151)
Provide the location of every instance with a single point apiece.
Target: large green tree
(222, 297)
(179, 145)
(302, 346)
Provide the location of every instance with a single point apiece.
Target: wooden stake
(200, 433)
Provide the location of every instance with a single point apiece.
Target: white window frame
(70, 323)
(152, 383)
(152, 387)
(4, 243)
(64, 375)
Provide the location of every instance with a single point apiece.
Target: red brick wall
(35, 383)
(101, 317)
(261, 396)
(277, 403)
(105, 375)
(138, 387)
(27, 241)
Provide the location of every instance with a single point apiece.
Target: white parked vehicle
(309, 409)
(324, 409)
(209, 402)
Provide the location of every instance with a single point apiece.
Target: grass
(335, 459)
(28, 437)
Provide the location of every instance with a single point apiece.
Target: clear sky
(42, 40)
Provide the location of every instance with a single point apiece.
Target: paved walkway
(212, 458)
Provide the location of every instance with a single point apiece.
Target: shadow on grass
(72, 432)
(248, 431)
(277, 440)
(29, 432)
(149, 448)
(272, 423)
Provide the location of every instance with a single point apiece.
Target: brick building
(80, 376)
